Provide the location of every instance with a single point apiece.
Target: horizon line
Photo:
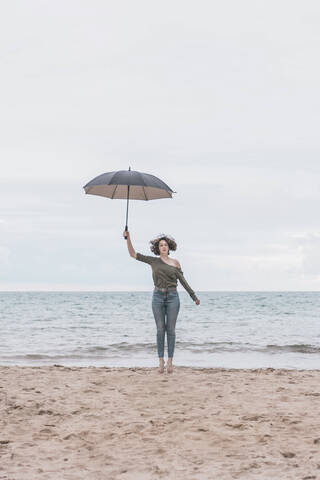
(148, 291)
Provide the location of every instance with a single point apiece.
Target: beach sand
(135, 423)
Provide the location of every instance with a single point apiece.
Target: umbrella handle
(126, 229)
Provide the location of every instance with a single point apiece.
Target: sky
(220, 100)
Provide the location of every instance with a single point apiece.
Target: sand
(134, 423)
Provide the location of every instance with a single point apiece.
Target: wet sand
(135, 423)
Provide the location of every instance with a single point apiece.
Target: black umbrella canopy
(128, 184)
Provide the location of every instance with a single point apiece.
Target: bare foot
(161, 366)
(169, 367)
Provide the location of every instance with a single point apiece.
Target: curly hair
(162, 236)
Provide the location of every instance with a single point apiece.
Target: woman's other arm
(131, 250)
(185, 284)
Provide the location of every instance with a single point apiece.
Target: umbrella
(128, 184)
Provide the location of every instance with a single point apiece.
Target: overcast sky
(218, 99)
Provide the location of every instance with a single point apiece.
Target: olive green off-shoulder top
(165, 275)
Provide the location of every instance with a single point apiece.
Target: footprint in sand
(71, 435)
(288, 454)
(45, 412)
(253, 418)
(239, 426)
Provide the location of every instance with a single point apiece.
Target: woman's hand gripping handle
(126, 236)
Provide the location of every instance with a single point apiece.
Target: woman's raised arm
(131, 250)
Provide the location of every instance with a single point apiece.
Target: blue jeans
(165, 306)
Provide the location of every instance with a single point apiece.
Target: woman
(165, 298)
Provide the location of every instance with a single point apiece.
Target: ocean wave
(123, 349)
(298, 348)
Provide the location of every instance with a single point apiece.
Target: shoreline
(155, 366)
(133, 422)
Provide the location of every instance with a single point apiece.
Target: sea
(117, 329)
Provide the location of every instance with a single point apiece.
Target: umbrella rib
(114, 191)
(144, 193)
